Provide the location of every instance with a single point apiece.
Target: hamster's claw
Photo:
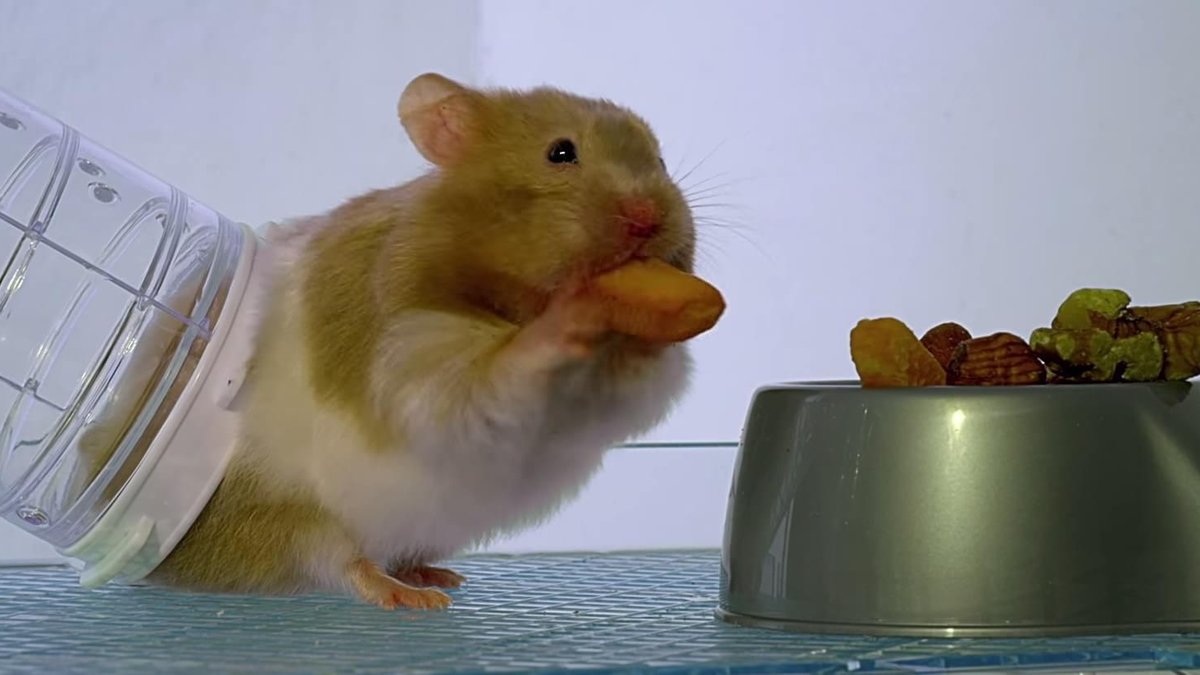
(425, 575)
(375, 586)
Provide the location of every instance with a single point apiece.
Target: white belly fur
(433, 501)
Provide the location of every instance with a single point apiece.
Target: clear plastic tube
(111, 282)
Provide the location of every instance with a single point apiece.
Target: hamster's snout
(640, 216)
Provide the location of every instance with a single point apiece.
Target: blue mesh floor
(598, 613)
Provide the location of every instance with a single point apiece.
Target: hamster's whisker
(705, 186)
(685, 176)
(678, 165)
(707, 253)
(686, 187)
(738, 230)
(722, 223)
(680, 179)
(713, 205)
(692, 193)
(692, 197)
(705, 195)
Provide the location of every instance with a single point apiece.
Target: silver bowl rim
(839, 385)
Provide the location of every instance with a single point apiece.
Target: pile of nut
(1095, 337)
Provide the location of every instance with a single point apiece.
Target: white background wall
(930, 160)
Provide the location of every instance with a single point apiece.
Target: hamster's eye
(562, 151)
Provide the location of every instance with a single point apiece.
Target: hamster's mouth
(630, 254)
(613, 262)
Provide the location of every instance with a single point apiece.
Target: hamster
(424, 376)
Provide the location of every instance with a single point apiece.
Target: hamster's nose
(640, 216)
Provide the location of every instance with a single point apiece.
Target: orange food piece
(654, 301)
(887, 353)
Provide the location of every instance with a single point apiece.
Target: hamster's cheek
(569, 238)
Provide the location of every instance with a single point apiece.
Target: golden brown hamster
(426, 376)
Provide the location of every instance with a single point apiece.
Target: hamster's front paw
(570, 328)
(373, 585)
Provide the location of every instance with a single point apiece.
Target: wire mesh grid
(607, 613)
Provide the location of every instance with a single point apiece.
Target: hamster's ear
(438, 114)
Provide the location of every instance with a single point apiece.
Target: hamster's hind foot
(425, 576)
(373, 585)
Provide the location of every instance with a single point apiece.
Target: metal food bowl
(966, 511)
